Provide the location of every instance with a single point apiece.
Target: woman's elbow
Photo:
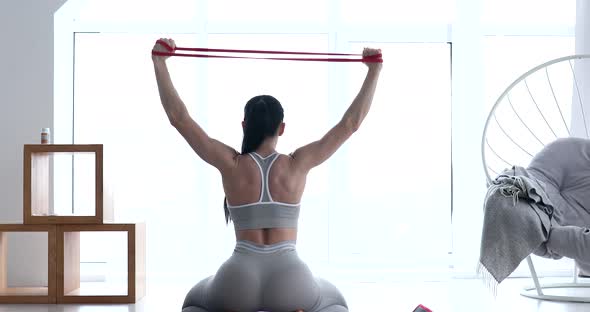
(351, 125)
(176, 120)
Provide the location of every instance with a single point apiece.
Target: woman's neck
(267, 147)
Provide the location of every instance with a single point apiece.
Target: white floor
(458, 295)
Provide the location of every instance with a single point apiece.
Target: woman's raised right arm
(315, 153)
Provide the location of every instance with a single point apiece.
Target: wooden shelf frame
(35, 153)
(11, 295)
(68, 254)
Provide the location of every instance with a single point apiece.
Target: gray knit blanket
(517, 221)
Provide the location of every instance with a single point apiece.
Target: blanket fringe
(508, 186)
(488, 279)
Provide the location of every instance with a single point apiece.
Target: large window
(369, 186)
(399, 197)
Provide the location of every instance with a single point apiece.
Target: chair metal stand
(536, 291)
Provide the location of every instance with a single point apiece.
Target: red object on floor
(342, 57)
(421, 308)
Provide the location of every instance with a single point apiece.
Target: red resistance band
(343, 57)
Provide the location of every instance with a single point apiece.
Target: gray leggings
(264, 278)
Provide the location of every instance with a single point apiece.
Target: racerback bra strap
(264, 164)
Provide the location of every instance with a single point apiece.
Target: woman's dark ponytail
(262, 116)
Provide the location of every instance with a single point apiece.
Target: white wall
(26, 106)
(582, 26)
(582, 69)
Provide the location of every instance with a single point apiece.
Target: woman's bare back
(242, 185)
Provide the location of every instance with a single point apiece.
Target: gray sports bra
(266, 213)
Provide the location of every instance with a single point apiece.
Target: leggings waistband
(250, 247)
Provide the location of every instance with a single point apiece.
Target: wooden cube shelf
(64, 229)
(68, 259)
(37, 177)
(28, 294)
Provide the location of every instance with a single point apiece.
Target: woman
(263, 190)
